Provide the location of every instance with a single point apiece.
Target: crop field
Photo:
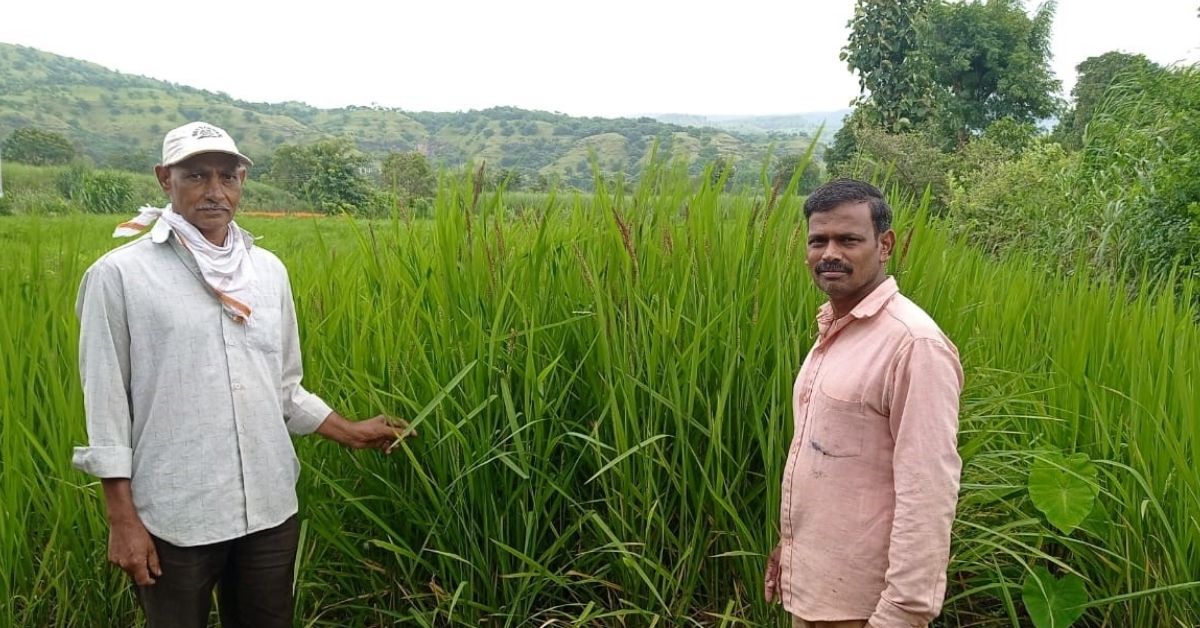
(602, 389)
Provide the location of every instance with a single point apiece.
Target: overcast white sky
(616, 57)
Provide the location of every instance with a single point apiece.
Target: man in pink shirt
(871, 481)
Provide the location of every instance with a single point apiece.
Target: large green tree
(38, 147)
(1095, 76)
(407, 175)
(328, 173)
(992, 61)
(884, 49)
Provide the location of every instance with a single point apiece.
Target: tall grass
(601, 385)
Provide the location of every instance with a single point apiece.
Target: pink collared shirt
(871, 481)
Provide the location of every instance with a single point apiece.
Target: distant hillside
(118, 120)
(798, 123)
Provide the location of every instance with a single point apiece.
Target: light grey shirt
(195, 408)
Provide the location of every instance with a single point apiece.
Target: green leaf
(1053, 602)
(1098, 522)
(1064, 488)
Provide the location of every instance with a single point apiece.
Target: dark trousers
(253, 576)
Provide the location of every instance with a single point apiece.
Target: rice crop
(602, 387)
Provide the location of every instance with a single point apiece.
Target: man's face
(845, 257)
(205, 189)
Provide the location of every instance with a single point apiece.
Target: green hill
(118, 120)
(801, 123)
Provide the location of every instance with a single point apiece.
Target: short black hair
(841, 191)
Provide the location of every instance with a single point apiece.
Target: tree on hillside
(1095, 76)
(262, 167)
(785, 169)
(511, 178)
(991, 61)
(38, 147)
(723, 168)
(327, 173)
(407, 175)
(896, 86)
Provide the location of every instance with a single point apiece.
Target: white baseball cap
(194, 138)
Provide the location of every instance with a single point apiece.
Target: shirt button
(237, 386)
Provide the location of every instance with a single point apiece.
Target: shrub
(1005, 203)
(107, 192)
(1140, 154)
(70, 181)
(38, 147)
(909, 161)
(34, 202)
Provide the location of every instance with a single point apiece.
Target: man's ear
(887, 245)
(163, 174)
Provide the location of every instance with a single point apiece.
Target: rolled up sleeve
(104, 373)
(926, 467)
(303, 411)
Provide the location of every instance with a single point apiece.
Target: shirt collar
(868, 307)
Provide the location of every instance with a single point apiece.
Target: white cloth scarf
(227, 269)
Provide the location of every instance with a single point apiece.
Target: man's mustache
(832, 267)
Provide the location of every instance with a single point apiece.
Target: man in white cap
(190, 362)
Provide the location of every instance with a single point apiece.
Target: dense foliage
(602, 388)
(1112, 187)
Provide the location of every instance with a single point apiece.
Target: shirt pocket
(838, 429)
(263, 329)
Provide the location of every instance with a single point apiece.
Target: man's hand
(131, 548)
(771, 578)
(381, 432)
(129, 544)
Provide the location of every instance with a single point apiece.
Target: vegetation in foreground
(601, 385)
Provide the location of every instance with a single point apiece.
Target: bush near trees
(328, 173)
(408, 175)
(1095, 76)
(37, 147)
(106, 192)
(1140, 161)
(1127, 202)
(96, 191)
